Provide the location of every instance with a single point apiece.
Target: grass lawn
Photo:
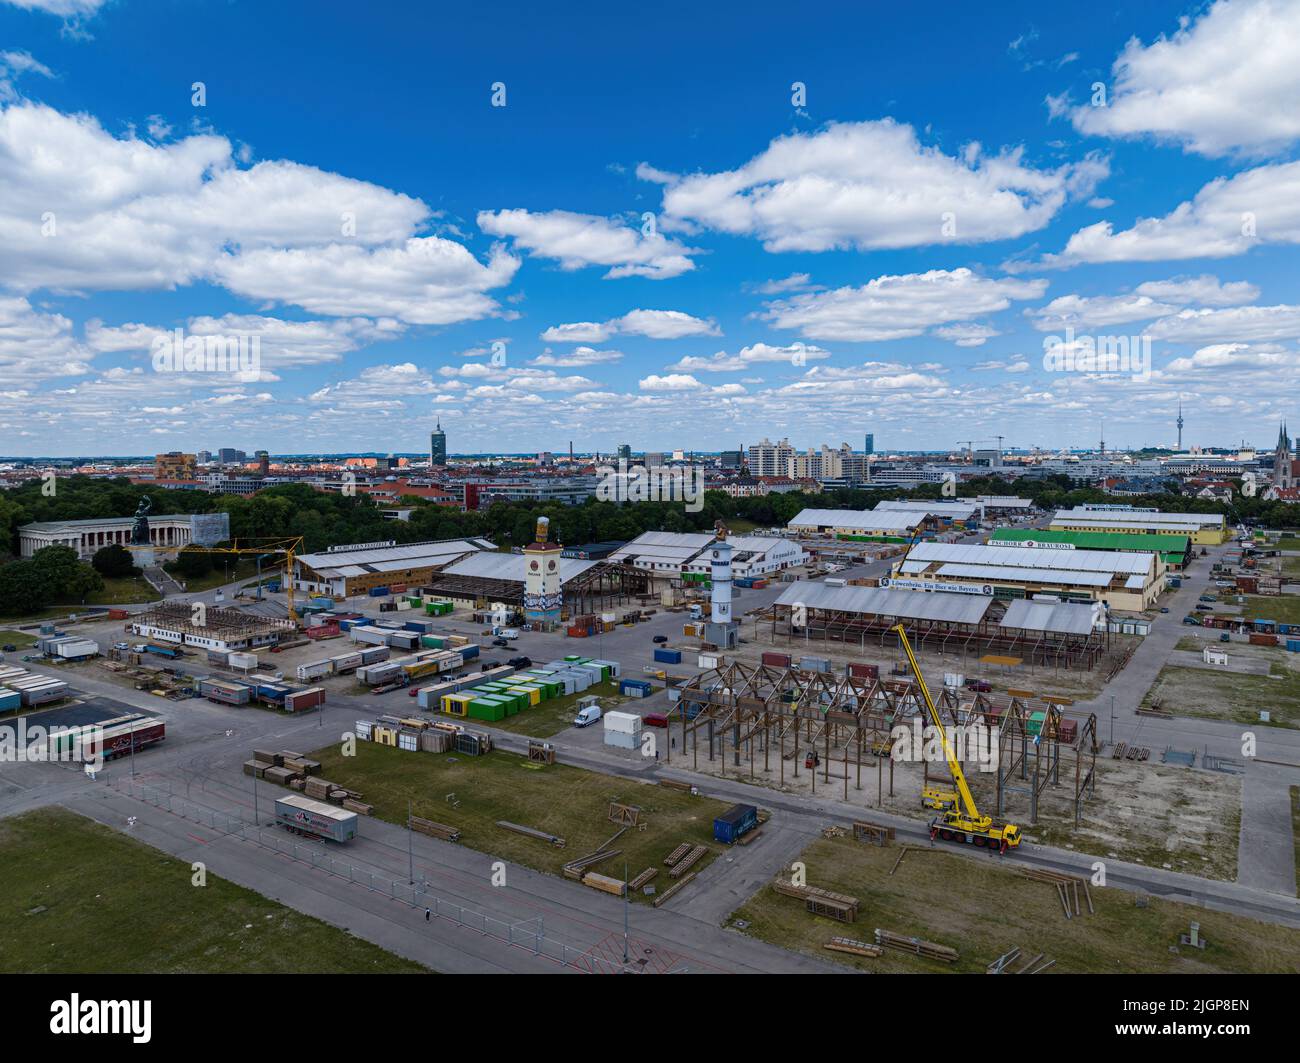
(983, 908)
(1287, 542)
(1284, 608)
(77, 897)
(129, 590)
(21, 639)
(1220, 695)
(244, 569)
(472, 793)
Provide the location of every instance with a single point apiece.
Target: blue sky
(652, 241)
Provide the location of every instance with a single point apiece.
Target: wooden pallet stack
(604, 883)
(688, 861)
(928, 949)
(432, 828)
(856, 948)
(839, 906)
(643, 878)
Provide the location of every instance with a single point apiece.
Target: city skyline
(848, 237)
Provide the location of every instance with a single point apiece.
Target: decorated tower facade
(721, 630)
(543, 596)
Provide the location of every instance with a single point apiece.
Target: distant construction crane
(290, 546)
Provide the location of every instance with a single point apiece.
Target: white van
(587, 716)
(697, 612)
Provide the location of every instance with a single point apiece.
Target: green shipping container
(483, 709)
(1035, 722)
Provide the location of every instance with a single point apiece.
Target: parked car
(654, 719)
(9, 647)
(980, 686)
(660, 638)
(520, 662)
(1164, 608)
(1225, 637)
(414, 691)
(1202, 608)
(488, 665)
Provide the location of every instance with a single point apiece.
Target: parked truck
(170, 652)
(315, 819)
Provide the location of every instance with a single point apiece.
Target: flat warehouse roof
(1062, 618)
(882, 601)
(866, 520)
(1137, 516)
(1029, 557)
(510, 567)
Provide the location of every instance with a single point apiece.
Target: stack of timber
(671, 890)
(604, 883)
(432, 828)
(837, 905)
(576, 868)
(857, 948)
(916, 946)
(643, 878)
(687, 862)
(677, 854)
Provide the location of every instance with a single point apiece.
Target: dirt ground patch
(1228, 695)
(1149, 813)
(984, 908)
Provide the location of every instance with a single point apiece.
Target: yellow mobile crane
(288, 545)
(964, 823)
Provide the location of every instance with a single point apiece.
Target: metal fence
(529, 935)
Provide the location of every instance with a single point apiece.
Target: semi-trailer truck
(315, 819)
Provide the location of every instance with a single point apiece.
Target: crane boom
(954, 765)
(973, 826)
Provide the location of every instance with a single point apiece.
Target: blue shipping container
(736, 821)
(1293, 645)
(668, 656)
(379, 592)
(468, 652)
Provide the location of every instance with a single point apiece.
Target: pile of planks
(1124, 751)
(687, 862)
(324, 790)
(819, 901)
(928, 949)
(671, 890)
(541, 752)
(532, 832)
(677, 854)
(359, 807)
(872, 833)
(577, 867)
(643, 878)
(1067, 889)
(857, 948)
(604, 883)
(673, 784)
(432, 828)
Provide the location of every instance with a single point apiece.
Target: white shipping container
(708, 660)
(624, 722)
(622, 740)
(314, 669)
(245, 662)
(364, 728)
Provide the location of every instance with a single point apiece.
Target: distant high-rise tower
(870, 448)
(437, 446)
(1180, 425)
(625, 451)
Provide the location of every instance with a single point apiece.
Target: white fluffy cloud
(967, 335)
(670, 382)
(579, 240)
(795, 354)
(1242, 324)
(654, 324)
(1205, 290)
(1224, 83)
(1078, 311)
(872, 185)
(577, 357)
(36, 345)
(1226, 217)
(66, 8)
(895, 307)
(84, 210)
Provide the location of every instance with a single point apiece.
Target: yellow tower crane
(965, 823)
(289, 545)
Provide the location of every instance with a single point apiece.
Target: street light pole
(410, 843)
(627, 904)
(1112, 719)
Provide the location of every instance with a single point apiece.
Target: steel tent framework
(748, 712)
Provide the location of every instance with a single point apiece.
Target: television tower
(1180, 425)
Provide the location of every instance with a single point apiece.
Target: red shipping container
(865, 671)
(396, 588)
(777, 660)
(1069, 731)
(1263, 640)
(117, 614)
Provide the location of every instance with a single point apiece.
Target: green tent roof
(1169, 547)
